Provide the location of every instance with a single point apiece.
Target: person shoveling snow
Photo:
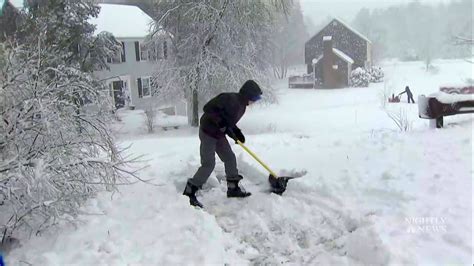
(220, 117)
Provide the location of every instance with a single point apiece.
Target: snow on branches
(56, 150)
(215, 47)
(361, 77)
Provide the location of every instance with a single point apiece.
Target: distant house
(129, 76)
(334, 52)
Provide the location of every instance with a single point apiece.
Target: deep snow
(372, 195)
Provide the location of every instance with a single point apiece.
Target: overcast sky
(319, 10)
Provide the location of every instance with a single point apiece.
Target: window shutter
(165, 50)
(140, 90)
(137, 51)
(123, 51)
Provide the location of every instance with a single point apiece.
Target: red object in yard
(457, 89)
(394, 99)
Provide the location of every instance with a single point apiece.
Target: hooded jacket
(226, 109)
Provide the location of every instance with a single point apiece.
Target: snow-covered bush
(56, 149)
(376, 74)
(150, 116)
(360, 78)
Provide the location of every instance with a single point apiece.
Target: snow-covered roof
(455, 84)
(343, 56)
(345, 25)
(122, 21)
(350, 28)
(16, 3)
(2, 4)
(327, 38)
(451, 98)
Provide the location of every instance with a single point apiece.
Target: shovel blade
(278, 184)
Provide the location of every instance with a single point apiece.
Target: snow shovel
(277, 183)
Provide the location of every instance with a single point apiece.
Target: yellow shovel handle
(256, 158)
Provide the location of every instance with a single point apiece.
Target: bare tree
(289, 39)
(150, 116)
(216, 45)
(385, 93)
(467, 42)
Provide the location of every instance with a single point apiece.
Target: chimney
(329, 75)
(327, 45)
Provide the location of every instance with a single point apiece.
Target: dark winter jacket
(226, 109)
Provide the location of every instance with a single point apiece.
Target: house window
(151, 51)
(115, 59)
(144, 53)
(154, 52)
(158, 51)
(118, 57)
(144, 87)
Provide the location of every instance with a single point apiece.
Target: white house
(130, 70)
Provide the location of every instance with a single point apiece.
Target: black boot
(190, 191)
(234, 191)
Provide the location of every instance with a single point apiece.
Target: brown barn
(334, 52)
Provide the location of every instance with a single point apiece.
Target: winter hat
(251, 91)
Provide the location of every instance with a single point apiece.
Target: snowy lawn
(373, 194)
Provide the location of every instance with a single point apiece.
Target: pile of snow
(372, 194)
(132, 122)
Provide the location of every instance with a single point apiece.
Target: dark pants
(410, 97)
(210, 146)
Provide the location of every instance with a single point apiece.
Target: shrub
(359, 78)
(376, 74)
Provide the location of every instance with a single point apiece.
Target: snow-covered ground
(373, 194)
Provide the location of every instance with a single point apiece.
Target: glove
(236, 134)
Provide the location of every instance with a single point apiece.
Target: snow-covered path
(372, 195)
